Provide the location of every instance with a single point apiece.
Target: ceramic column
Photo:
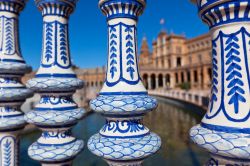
(123, 100)
(225, 129)
(55, 81)
(12, 92)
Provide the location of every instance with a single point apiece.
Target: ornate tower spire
(123, 100)
(225, 129)
(144, 48)
(12, 92)
(55, 80)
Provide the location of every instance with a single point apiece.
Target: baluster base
(124, 163)
(69, 163)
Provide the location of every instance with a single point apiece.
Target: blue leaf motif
(130, 62)
(63, 44)
(9, 28)
(113, 62)
(130, 56)
(129, 29)
(113, 52)
(131, 70)
(113, 36)
(130, 51)
(48, 41)
(113, 49)
(113, 43)
(7, 153)
(113, 55)
(234, 77)
(214, 90)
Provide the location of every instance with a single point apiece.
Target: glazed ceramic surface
(225, 129)
(123, 100)
(12, 92)
(56, 113)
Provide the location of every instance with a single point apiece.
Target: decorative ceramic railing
(123, 100)
(12, 92)
(225, 129)
(55, 80)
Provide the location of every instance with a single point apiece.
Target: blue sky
(88, 35)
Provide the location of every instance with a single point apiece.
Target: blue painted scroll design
(62, 103)
(59, 135)
(113, 51)
(56, 46)
(124, 126)
(129, 54)
(55, 100)
(232, 74)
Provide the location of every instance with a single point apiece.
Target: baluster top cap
(122, 8)
(12, 5)
(205, 4)
(56, 7)
(220, 12)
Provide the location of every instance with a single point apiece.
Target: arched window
(195, 76)
(176, 78)
(178, 61)
(182, 77)
(153, 81)
(160, 77)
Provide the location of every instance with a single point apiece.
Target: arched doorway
(153, 84)
(168, 80)
(145, 80)
(160, 77)
(182, 77)
(188, 76)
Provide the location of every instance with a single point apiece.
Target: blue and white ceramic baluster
(12, 92)
(225, 129)
(55, 81)
(123, 100)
